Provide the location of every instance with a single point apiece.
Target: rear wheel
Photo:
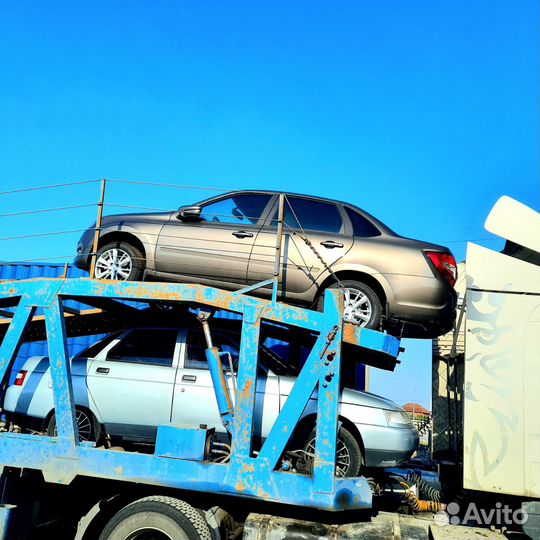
(88, 427)
(120, 261)
(348, 453)
(361, 305)
(157, 518)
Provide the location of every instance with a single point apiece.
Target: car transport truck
(190, 484)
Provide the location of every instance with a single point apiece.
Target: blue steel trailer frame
(64, 457)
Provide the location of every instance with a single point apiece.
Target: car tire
(370, 312)
(348, 452)
(89, 428)
(171, 517)
(127, 262)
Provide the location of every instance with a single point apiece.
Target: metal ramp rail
(179, 460)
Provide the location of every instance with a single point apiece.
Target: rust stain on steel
(240, 486)
(119, 470)
(249, 467)
(300, 315)
(245, 393)
(351, 333)
(247, 390)
(151, 292)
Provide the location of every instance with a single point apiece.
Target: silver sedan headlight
(399, 419)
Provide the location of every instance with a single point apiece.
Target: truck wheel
(120, 261)
(157, 518)
(348, 454)
(361, 305)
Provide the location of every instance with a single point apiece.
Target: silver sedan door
(194, 396)
(133, 386)
(194, 400)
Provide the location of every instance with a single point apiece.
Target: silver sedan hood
(350, 396)
(367, 399)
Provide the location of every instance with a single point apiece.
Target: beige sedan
(228, 241)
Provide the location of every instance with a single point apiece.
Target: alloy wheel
(114, 263)
(343, 457)
(84, 426)
(356, 307)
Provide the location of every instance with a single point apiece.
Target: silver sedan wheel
(356, 307)
(114, 263)
(343, 457)
(84, 425)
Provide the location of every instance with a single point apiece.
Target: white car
(128, 383)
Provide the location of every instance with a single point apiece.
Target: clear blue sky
(423, 113)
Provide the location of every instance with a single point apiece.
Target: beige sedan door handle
(331, 244)
(242, 234)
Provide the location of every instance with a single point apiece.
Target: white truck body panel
(502, 360)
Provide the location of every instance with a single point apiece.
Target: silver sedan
(132, 381)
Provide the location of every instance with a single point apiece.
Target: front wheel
(361, 305)
(348, 454)
(120, 261)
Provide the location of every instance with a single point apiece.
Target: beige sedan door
(218, 245)
(322, 222)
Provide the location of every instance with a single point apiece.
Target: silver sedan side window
(196, 350)
(154, 346)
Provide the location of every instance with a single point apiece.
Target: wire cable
(135, 207)
(164, 184)
(33, 259)
(51, 233)
(43, 210)
(49, 186)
